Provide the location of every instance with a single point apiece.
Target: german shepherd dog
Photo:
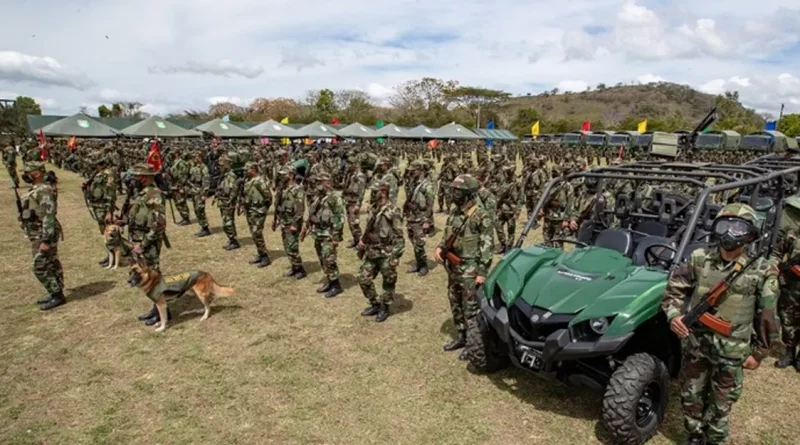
(116, 245)
(201, 284)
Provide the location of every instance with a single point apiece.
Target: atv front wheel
(484, 348)
(636, 399)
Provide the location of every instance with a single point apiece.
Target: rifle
(19, 206)
(447, 250)
(278, 205)
(85, 189)
(790, 270)
(704, 312)
(240, 196)
(370, 226)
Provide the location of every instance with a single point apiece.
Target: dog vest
(174, 285)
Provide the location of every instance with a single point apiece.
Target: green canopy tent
(317, 130)
(273, 129)
(358, 131)
(421, 132)
(155, 126)
(35, 121)
(79, 125)
(392, 131)
(454, 131)
(225, 130)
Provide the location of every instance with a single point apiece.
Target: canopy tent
(223, 129)
(188, 124)
(79, 125)
(357, 130)
(393, 131)
(317, 130)
(118, 123)
(498, 135)
(155, 126)
(421, 132)
(36, 121)
(272, 129)
(454, 131)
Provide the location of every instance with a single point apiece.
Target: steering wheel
(567, 240)
(655, 259)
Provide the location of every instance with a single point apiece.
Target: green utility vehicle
(590, 316)
(718, 140)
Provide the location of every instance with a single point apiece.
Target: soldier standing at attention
(10, 161)
(226, 196)
(446, 175)
(711, 377)
(256, 199)
(789, 303)
(419, 203)
(179, 182)
(326, 221)
(354, 188)
(509, 204)
(466, 250)
(199, 183)
(380, 249)
(556, 211)
(101, 194)
(290, 206)
(43, 231)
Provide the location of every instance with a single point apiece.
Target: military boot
(371, 310)
(43, 300)
(464, 355)
(457, 343)
(352, 244)
(291, 272)
(383, 313)
(334, 289)
(325, 287)
(264, 261)
(204, 232)
(183, 222)
(146, 316)
(422, 268)
(301, 273)
(696, 439)
(55, 301)
(156, 318)
(413, 269)
(232, 244)
(500, 250)
(789, 358)
(257, 258)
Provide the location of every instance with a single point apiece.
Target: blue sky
(174, 55)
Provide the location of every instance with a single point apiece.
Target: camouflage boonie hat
(466, 182)
(283, 171)
(380, 186)
(250, 165)
(33, 167)
(142, 170)
(739, 210)
(416, 165)
(322, 177)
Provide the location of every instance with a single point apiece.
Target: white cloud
(17, 67)
(578, 45)
(704, 34)
(760, 92)
(224, 68)
(155, 109)
(650, 78)
(572, 85)
(226, 99)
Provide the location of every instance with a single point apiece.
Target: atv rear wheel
(636, 399)
(485, 351)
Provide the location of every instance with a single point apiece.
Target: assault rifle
(447, 250)
(790, 270)
(704, 312)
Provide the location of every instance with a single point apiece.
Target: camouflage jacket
(199, 180)
(560, 203)
(448, 174)
(147, 215)
(473, 240)
(354, 188)
(394, 185)
(585, 204)
(326, 216)
(101, 192)
(788, 243)
(257, 197)
(39, 211)
(179, 174)
(509, 200)
(383, 235)
(754, 291)
(10, 156)
(291, 206)
(488, 201)
(535, 182)
(419, 202)
(227, 191)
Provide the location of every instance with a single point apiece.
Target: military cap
(283, 171)
(739, 210)
(250, 165)
(33, 167)
(322, 177)
(415, 165)
(380, 186)
(142, 169)
(466, 182)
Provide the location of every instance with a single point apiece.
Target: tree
(475, 99)
(600, 86)
(423, 100)
(525, 118)
(27, 105)
(734, 116)
(264, 108)
(233, 111)
(103, 111)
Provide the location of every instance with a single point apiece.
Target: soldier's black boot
(334, 289)
(457, 343)
(256, 259)
(156, 318)
(789, 358)
(204, 232)
(383, 313)
(413, 269)
(371, 310)
(324, 288)
(422, 268)
(233, 244)
(696, 439)
(183, 222)
(500, 250)
(153, 312)
(55, 301)
(463, 355)
(264, 262)
(291, 272)
(352, 244)
(301, 273)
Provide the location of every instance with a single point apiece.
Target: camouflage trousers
(327, 257)
(444, 196)
(47, 267)
(228, 216)
(506, 227)
(370, 267)
(255, 221)
(463, 301)
(354, 220)
(12, 172)
(789, 312)
(711, 381)
(199, 205)
(416, 234)
(551, 229)
(530, 203)
(151, 254)
(100, 214)
(291, 245)
(180, 197)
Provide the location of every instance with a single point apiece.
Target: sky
(175, 55)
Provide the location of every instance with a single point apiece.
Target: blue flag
(771, 125)
(490, 126)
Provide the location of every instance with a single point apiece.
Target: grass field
(277, 363)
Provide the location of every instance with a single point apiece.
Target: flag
(490, 125)
(433, 144)
(586, 126)
(154, 157)
(771, 125)
(42, 146)
(379, 125)
(642, 126)
(334, 121)
(622, 149)
(72, 144)
(285, 121)
(535, 129)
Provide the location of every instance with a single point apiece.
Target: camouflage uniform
(146, 218)
(534, 184)
(383, 173)
(447, 174)
(101, 193)
(325, 222)
(419, 202)
(509, 204)
(557, 210)
(10, 161)
(256, 200)
(40, 225)
(226, 196)
(290, 207)
(179, 179)
(382, 246)
(354, 196)
(199, 183)
(788, 246)
(712, 375)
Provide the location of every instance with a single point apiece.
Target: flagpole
(780, 116)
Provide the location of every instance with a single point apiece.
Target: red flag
(621, 151)
(42, 146)
(586, 126)
(154, 157)
(334, 121)
(72, 144)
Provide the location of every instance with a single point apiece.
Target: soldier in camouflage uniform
(380, 249)
(199, 183)
(534, 183)
(419, 202)
(586, 202)
(447, 174)
(325, 222)
(557, 210)
(101, 191)
(290, 207)
(712, 375)
(384, 173)
(466, 251)
(509, 204)
(788, 246)
(226, 196)
(10, 161)
(179, 183)
(354, 188)
(42, 229)
(256, 200)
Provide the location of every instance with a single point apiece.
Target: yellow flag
(643, 126)
(535, 129)
(284, 121)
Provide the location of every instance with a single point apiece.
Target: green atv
(590, 316)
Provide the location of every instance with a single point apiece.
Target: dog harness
(174, 285)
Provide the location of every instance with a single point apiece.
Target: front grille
(520, 317)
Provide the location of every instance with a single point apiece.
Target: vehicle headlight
(599, 325)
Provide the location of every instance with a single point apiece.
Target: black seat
(653, 228)
(586, 232)
(638, 256)
(615, 239)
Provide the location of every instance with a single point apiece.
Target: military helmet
(33, 167)
(322, 177)
(466, 182)
(416, 165)
(739, 210)
(509, 169)
(380, 186)
(250, 165)
(142, 169)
